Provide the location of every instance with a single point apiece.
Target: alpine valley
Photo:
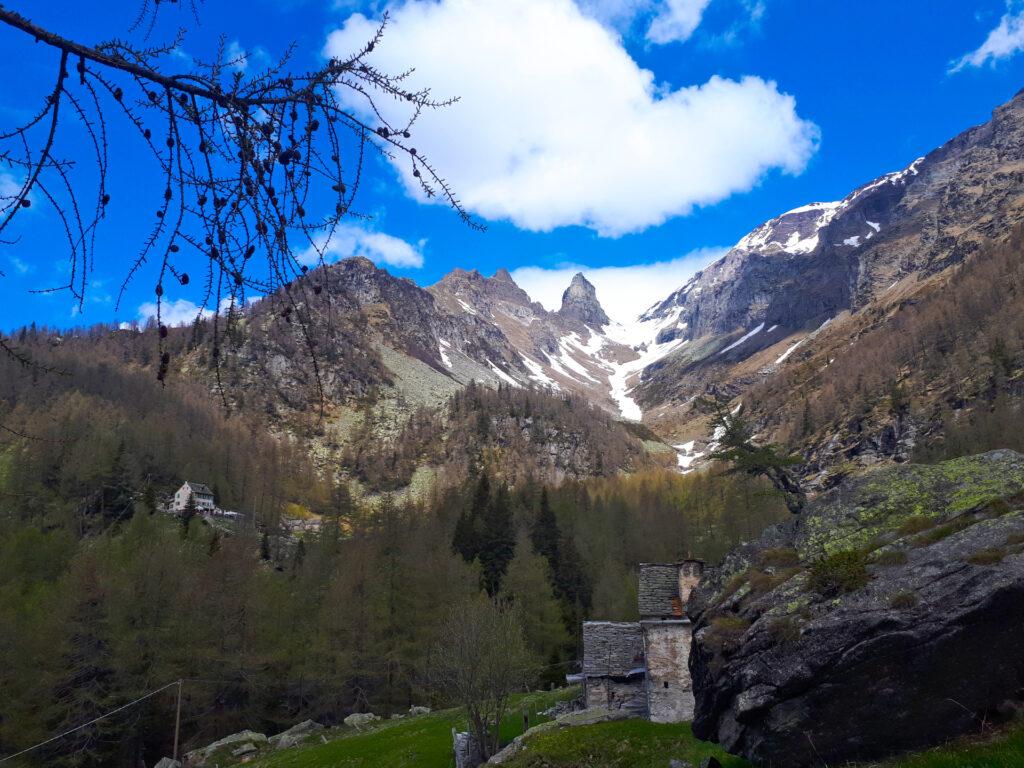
(848, 330)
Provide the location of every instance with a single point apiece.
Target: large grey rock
(360, 719)
(197, 758)
(518, 744)
(415, 711)
(294, 735)
(166, 762)
(467, 750)
(594, 715)
(926, 648)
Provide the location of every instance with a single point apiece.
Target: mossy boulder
(897, 624)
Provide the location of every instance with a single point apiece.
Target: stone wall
(658, 591)
(616, 694)
(669, 687)
(612, 648)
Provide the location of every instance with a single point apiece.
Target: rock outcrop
(235, 745)
(579, 302)
(889, 617)
(295, 735)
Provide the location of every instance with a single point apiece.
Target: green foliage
(838, 573)
(737, 448)
(622, 744)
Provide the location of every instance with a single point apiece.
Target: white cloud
(239, 58)
(557, 125)
(624, 292)
(177, 312)
(676, 20)
(183, 311)
(236, 57)
(10, 187)
(378, 247)
(21, 267)
(1002, 42)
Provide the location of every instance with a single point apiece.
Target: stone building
(613, 666)
(643, 666)
(662, 596)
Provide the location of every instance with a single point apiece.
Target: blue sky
(602, 133)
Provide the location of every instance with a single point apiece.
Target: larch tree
(239, 162)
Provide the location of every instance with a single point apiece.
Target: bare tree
(240, 161)
(480, 660)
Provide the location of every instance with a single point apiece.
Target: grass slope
(622, 744)
(640, 744)
(425, 742)
(417, 742)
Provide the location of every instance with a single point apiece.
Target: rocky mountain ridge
(761, 309)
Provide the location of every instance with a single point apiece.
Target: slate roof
(612, 649)
(199, 488)
(658, 593)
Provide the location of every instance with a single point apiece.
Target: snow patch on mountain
(743, 338)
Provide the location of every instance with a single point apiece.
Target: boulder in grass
(360, 719)
(197, 758)
(415, 710)
(295, 735)
(166, 762)
(888, 617)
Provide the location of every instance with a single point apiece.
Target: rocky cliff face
(886, 618)
(566, 351)
(579, 302)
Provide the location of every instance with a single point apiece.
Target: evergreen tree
(86, 687)
(497, 541)
(737, 448)
(188, 514)
(466, 539)
(527, 586)
(545, 533)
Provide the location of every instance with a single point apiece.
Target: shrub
(989, 556)
(838, 573)
(761, 582)
(733, 585)
(916, 524)
(904, 600)
(784, 630)
(890, 557)
(724, 635)
(779, 557)
(938, 533)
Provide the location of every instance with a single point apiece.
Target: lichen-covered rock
(198, 758)
(888, 617)
(295, 735)
(360, 719)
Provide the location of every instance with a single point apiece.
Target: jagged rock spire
(580, 302)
